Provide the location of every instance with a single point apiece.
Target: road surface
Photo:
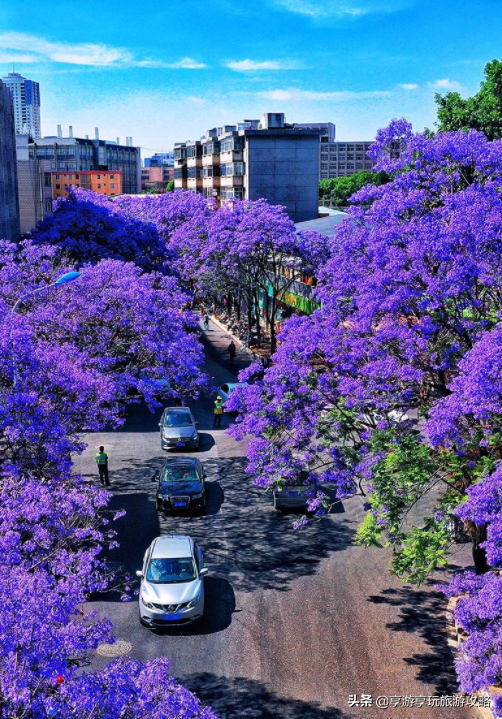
(296, 620)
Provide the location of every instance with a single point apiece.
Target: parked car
(172, 582)
(292, 496)
(178, 429)
(181, 485)
(226, 389)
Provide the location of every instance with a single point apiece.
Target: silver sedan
(172, 582)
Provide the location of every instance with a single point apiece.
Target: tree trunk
(479, 553)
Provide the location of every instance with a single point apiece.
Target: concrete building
(104, 182)
(160, 159)
(254, 159)
(67, 154)
(26, 98)
(156, 177)
(9, 203)
(338, 159)
(32, 206)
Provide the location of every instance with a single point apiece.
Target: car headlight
(197, 496)
(194, 602)
(148, 605)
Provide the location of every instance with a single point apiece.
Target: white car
(172, 582)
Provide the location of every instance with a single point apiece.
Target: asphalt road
(296, 621)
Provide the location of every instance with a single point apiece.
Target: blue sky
(166, 70)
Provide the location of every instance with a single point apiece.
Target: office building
(26, 98)
(75, 154)
(160, 159)
(104, 182)
(254, 159)
(339, 159)
(9, 203)
(156, 178)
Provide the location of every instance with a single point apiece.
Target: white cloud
(445, 84)
(408, 86)
(253, 65)
(187, 63)
(339, 8)
(19, 47)
(294, 94)
(196, 100)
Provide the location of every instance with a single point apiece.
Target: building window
(58, 186)
(47, 179)
(57, 177)
(112, 177)
(99, 186)
(112, 186)
(48, 205)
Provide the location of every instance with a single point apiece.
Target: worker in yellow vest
(218, 412)
(102, 462)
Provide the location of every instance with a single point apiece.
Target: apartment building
(339, 159)
(103, 182)
(156, 177)
(254, 159)
(9, 203)
(26, 99)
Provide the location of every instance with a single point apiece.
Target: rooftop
(172, 547)
(324, 225)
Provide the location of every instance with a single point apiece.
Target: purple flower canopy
(407, 332)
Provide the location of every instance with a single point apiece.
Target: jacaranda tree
(391, 389)
(69, 356)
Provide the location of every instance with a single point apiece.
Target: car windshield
(171, 571)
(179, 419)
(180, 474)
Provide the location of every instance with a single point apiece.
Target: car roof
(178, 410)
(172, 546)
(181, 462)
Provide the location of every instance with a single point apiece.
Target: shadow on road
(422, 612)
(249, 543)
(235, 698)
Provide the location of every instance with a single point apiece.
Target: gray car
(172, 582)
(178, 429)
(294, 496)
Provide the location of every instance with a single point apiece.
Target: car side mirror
(204, 476)
(160, 424)
(203, 571)
(139, 574)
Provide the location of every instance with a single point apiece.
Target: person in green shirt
(102, 462)
(218, 412)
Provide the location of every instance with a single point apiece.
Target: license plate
(180, 444)
(173, 617)
(180, 504)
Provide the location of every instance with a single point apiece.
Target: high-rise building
(9, 203)
(26, 98)
(254, 159)
(339, 159)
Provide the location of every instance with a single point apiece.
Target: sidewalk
(262, 351)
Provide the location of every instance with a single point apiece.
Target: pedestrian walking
(218, 412)
(232, 351)
(102, 462)
(206, 321)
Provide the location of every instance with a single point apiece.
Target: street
(296, 621)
